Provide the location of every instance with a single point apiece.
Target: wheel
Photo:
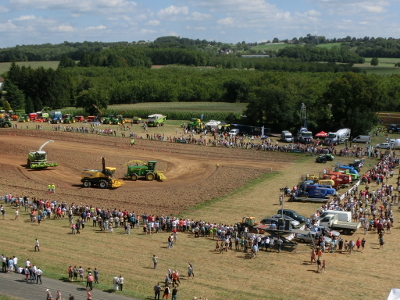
(28, 163)
(134, 177)
(150, 176)
(87, 184)
(5, 125)
(390, 131)
(103, 184)
(346, 231)
(302, 241)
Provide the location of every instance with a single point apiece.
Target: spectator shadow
(64, 279)
(109, 291)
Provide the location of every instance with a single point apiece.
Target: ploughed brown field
(195, 175)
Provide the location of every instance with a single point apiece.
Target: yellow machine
(100, 178)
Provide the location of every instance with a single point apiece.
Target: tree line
(333, 100)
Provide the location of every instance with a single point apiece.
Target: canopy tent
(321, 134)
(394, 294)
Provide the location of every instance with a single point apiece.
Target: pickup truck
(332, 221)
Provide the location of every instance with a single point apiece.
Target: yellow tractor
(100, 178)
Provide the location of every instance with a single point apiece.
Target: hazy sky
(55, 21)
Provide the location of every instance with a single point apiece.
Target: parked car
(319, 229)
(383, 146)
(295, 223)
(287, 245)
(293, 214)
(323, 158)
(269, 221)
(310, 237)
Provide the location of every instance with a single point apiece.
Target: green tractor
(5, 123)
(196, 125)
(112, 120)
(142, 169)
(38, 159)
(68, 119)
(24, 118)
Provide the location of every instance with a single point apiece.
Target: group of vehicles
(104, 178)
(289, 224)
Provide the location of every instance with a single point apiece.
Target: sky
(25, 22)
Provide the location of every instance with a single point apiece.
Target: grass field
(4, 67)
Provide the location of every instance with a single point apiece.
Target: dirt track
(191, 170)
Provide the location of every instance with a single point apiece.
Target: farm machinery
(138, 168)
(156, 120)
(68, 119)
(196, 125)
(38, 159)
(5, 123)
(100, 178)
(24, 118)
(56, 117)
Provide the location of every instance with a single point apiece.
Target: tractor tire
(103, 184)
(390, 131)
(5, 125)
(302, 241)
(87, 184)
(28, 163)
(150, 176)
(134, 177)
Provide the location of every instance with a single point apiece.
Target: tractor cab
(39, 155)
(109, 171)
(151, 165)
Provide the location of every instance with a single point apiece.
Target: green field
(385, 66)
(173, 110)
(4, 67)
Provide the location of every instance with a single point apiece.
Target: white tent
(394, 294)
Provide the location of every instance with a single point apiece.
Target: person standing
(96, 275)
(89, 281)
(190, 270)
(16, 214)
(166, 292)
(363, 241)
(37, 246)
(318, 265)
(120, 282)
(175, 293)
(81, 271)
(155, 261)
(157, 290)
(58, 295)
(70, 273)
(53, 188)
(39, 273)
(381, 241)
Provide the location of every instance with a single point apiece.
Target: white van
(362, 139)
(286, 136)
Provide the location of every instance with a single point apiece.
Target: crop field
(389, 117)
(5, 66)
(214, 184)
(173, 110)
